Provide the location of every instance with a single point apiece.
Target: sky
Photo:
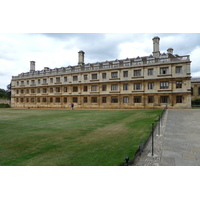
(61, 49)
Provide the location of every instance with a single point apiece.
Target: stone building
(195, 88)
(143, 82)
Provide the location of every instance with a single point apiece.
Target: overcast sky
(61, 49)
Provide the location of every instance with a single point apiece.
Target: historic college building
(144, 82)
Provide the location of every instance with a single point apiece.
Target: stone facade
(144, 82)
(195, 88)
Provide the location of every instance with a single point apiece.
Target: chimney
(156, 52)
(81, 57)
(170, 50)
(32, 66)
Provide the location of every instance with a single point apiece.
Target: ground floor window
(114, 99)
(75, 99)
(85, 100)
(51, 100)
(94, 99)
(103, 99)
(57, 100)
(125, 99)
(150, 99)
(32, 100)
(65, 99)
(44, 100)
(164, 99)
(38, 100)
(179, 99)
(137, 99)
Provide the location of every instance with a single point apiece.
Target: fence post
(152, 137)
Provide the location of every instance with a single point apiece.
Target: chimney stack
(32, 66)
(170, 50)
(81, 57)
(156, 52)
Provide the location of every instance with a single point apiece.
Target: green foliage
(42, 137)
(4, 105)
(196, 102)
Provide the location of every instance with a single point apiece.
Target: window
(85, 77)
(125, 74)
(58, 80)
(94, 88)
(65, 79)
(104, 87)
(164, 85)
(94, 99)
(32, 100)
(85, 100)
(137, 86)
(44, 81)
(137, 72)
(75, 99)
(137, 99)
(17, 83)
(94, 76)
(22, 100)
(65, 89)
(32, 90)
(125, 87)
(65, 99)
(38, 90)
(51, 100)
(27, 100)
(179, 99)
(125, 99)
(27, 91)
(27, 82)
(164, 99)
(22, 82)
(150, 86)
(150, 72)
(178, 84)
(51, 90)
(114, 87)
(22, 91)
(57, 89)
(150, 99)
(85, 88)
(103, 75)
(114, 99)
(38, 100)
(178, 69)
(75, 89)
(57, 100)
(51, 80)
(164, 70)
(75, 78)
(114, 74)
(33, 82)
(103, 99)
(44, 100)
(44, 90)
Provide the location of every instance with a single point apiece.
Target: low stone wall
(6, 101)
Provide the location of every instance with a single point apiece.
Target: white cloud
(195, 58)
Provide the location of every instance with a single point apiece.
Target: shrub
(4, 105)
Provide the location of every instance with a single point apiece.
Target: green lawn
(42, 137)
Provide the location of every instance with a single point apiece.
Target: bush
(4, 105)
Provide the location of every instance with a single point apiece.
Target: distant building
(144, 82)
(195, 88)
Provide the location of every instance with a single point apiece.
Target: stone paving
(178, 143)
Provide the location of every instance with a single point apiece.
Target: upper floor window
(75, 89)
(164, 70)
(65, 79)
(137, 86)
(114, 87)
(44, 81)
(104, 87)
(137, 72)
(58, 80)
(85, 77)
(32, 81)
(94, 76)
(75, 78)
(125, 74)
(178, 84)
(57, 89)
(94, 88)
(178, 69)
(51, 80)
(150, 86)
(85, 88)
(114, 74)
(125, 87)
(44, 90)
(103, 75)
(150, 72)
(164, 85)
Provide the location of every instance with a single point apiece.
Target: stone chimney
(156, 52)
(170, 50)
(32, 66)
(81, 57)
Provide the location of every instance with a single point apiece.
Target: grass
(42, 137)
